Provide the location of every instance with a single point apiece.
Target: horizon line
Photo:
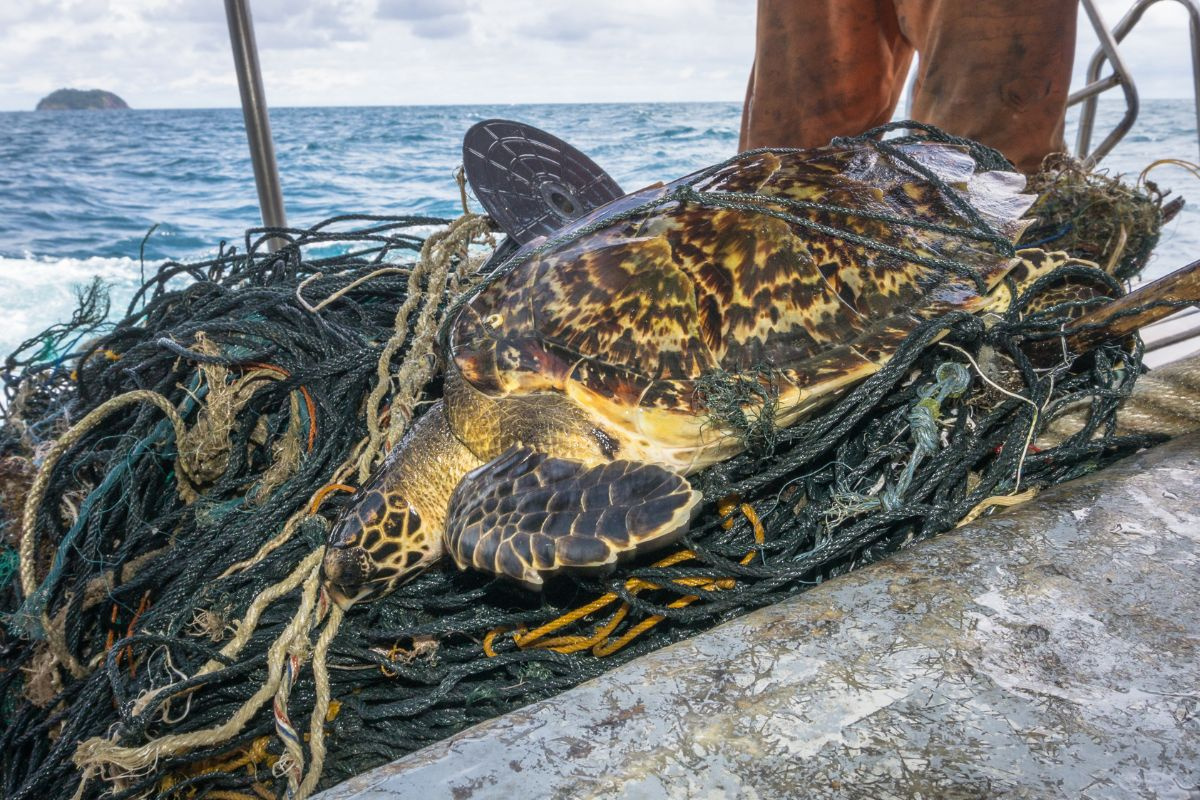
(446, 105)
(413, 105)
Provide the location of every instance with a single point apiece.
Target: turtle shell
(631, 310)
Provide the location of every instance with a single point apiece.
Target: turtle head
(377, 544)
(392, 529)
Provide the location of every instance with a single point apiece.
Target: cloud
(280, 23)
(429, 19)
(15, 13)
(420, 9)
(314, 24)
(384, 52)
(575, 24)
(202, 11)
(449, 27)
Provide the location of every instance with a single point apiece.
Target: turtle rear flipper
(528, 515)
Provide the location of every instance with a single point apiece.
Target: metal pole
(254, 110)
(1121, 77)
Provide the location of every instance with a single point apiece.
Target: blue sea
(79, 190)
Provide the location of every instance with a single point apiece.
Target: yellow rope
(324, 710)
(423, 646)
(249, 757)
(325, 491)
(1177, 162)
(434, 268)
(600, 641)
(1004, 500)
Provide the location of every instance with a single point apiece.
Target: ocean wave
(39, 291)
(81, 191)
(676, 132)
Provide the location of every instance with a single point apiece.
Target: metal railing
(1120, 76)
(1166, 333)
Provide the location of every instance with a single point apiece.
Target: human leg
(822, 69)
(996, 71)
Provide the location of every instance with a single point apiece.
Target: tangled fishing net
(166, 483)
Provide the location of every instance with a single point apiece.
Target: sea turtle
(572, 414)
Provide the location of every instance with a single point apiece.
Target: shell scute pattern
(617, 295)
(638, 311)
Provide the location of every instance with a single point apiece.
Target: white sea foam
(36, 292)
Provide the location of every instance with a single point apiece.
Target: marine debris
(1097, 216)
(165, 631)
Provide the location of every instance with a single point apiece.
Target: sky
(176, 53)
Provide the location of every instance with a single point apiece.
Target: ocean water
(79, 191)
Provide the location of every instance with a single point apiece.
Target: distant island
(80, 100)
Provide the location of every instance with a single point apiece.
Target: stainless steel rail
(1107, 51)
(254, 110)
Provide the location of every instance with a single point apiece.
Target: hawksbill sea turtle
(572, 412)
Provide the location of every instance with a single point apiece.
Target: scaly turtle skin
(572, 414)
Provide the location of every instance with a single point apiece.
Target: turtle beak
(347, 574)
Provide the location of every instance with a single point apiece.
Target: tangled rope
(168, 635)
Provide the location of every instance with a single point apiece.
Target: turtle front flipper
(528, 515)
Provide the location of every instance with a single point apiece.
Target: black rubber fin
(527, 515)
(530, 181)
